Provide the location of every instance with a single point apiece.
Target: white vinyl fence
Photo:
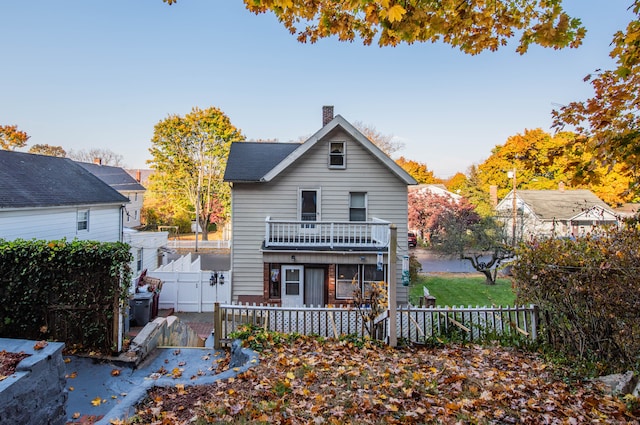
(186, 288)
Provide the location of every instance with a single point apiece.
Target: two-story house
(311, 220)
(123, 182)
(46, 197)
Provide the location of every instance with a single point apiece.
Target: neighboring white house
(147, 249)
(311, 219)
(555, 213)
(46, 197)
(436, 189)
(123, 182)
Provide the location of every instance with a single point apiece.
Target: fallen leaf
(115, 372)
(40, 345)
(96, 401)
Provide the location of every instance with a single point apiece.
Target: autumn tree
(48, 150)
(472, 26)
(609, 123)
(385, 142)
(417, 170)
(542, 161)
(189, 154)
(456, 182)
(12, 138)
(453, 227)
(105, 156)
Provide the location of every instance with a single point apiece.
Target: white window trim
(78, 221)
(366, 205)
(318, 202)
(344, 156)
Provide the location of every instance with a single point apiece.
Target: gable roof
(559, 204)
(248, 162)
(115, 177)
(28, 180)
(272, 163)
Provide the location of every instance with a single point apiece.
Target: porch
(327, 235)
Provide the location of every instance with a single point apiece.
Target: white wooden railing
(327, 234)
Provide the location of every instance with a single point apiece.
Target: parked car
(413, 240)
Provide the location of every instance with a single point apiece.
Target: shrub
(588, 293)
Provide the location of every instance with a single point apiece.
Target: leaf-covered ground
(316, 382)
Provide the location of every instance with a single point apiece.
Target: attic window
(337, 155)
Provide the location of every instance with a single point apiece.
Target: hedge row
(63, 291)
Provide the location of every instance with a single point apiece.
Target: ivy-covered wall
(67, 291)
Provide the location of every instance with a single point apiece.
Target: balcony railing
(372, 234)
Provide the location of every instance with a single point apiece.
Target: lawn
(463, 289)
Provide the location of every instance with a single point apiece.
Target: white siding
(252, 203)
(58, 223)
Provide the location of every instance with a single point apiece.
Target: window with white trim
(349, 277)
(82, 220)
(358, 206)
(139, 260)
(337, 152)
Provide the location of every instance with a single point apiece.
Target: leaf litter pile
(311, 381)
(8, 362)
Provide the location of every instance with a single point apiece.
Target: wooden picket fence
(413, 324)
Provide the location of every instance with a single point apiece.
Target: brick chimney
(97, 161)
(493, 195)
(327, 115)
(138, 176)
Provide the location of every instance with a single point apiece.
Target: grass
(463, 290)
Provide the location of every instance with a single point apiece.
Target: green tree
(417, 170)
(12, 138)
(609, 123)
(189, 155)
(48, 150)
(472, 26)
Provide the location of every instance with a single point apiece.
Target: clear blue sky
(87, 74)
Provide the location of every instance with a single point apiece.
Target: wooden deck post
(217, 326)
(393, 245)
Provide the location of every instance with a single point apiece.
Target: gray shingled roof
(560, 204)
(250, 161)
(28, 180)
(115, 177)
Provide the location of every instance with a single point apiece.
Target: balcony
(327, 235)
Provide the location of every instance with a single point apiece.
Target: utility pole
(514, 206)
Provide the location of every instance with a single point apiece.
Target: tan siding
(252, 203)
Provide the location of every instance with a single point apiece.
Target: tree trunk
(489, 277)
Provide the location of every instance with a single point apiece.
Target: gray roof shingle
(116, 177)
(560, 204)
(250, 161)
(28, 180)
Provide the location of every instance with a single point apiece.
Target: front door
(314, 287)
(292, 286)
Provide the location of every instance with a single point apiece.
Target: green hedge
(588, 293)
(63, 290)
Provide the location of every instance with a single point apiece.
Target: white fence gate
(186, 288)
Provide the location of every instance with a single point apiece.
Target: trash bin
(141, 313)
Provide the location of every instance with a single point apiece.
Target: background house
(555, 213)
(311, 220)
(123, 182)
(46, 197)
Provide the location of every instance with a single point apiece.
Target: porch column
(391, 288)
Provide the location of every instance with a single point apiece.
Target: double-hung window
(82, 220)
(337, 155)
(358, 206)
